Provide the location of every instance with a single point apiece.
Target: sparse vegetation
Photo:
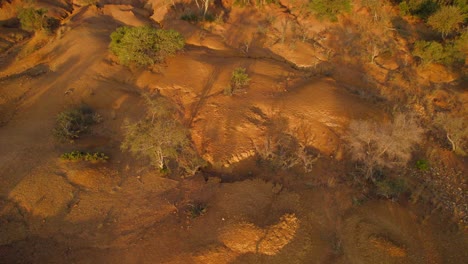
(84, 156)
(239, 79)
(71, 124)
(144, 45)
(391, 188)
(160, 137)
(282, 150)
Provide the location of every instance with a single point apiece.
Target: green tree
(446, 20)
(144, 45)
(32, 19)
(160, 137)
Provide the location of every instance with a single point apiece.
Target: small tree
(446, 20)
(160, 137)
(239, 79)
(144, 45)
(377, 146)
(72, 123)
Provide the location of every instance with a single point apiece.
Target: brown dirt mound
(247, 237)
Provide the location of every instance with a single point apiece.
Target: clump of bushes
(435, 52)
(32, 19)
(84, 156)
(144, 45)
(71, 124)
(329, 9)
(239, 79)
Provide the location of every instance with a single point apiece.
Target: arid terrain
(253, 200)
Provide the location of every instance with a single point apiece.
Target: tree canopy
(144, 45)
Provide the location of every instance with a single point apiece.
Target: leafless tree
(161, 137)
(456, 129)
(389, 145)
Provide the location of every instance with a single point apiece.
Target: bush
(84, 156)
(72, 123)
(422, 165)
(239, 79)
(144, 45)
(32, 19)
(195, 210)
(329, 9)
(189, 17)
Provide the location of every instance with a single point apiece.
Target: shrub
(144, 45)
(32, 19)
(190, 17)
(239, 79)
(84, 156)
(422, 165)
(329, 9)
(195, 210)
(72, 123)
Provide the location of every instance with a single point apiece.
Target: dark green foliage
(422, 165)
(391, 188)
(144, 45)
(72, 123)
(329, 9)
(84, 156)
(434, 52)
(419, 8)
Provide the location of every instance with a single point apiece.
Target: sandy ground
(120, 212)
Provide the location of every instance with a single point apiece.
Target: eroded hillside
(276, 179)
